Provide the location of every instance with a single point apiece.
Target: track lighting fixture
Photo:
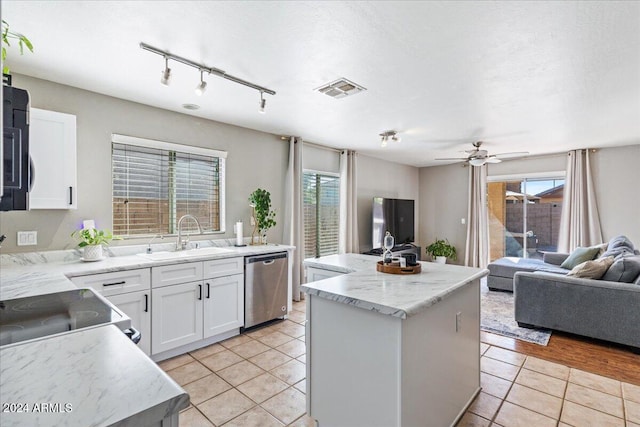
(389, 134)
(202, 86)
(263, 102)
(166, 73)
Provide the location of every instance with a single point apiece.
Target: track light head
(263, 103)
(389, 134)
(166, 73)
(202, 86)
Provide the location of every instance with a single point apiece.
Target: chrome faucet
(149, 250)
(182, 244)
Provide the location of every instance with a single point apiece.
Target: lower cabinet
(137, 305)
(315, 274)
(189, 312)
(176, 316)
(223, 304)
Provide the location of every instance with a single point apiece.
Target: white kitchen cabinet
(52, 147)
(315, 274)
(166, 275)
(176, 313)
(223, 304)
(210, 304)
(130, 291)
(137, 305)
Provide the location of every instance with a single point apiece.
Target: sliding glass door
(524, 216)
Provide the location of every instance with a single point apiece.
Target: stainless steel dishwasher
(265, 288)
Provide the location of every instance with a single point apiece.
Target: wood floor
(598, 357)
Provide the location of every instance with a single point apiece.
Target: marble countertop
(395, 295)
(103, 376)
(46, 272)
(80, 372)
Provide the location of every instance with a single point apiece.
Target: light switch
(27, 238)
(463, 221)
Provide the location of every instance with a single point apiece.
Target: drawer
(166, 275)
(223, 267)
(118, 282)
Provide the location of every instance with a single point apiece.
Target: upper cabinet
(52, 148)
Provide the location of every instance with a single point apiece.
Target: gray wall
(380, 178)
(444, 193)
(617, 178)
(255, 159)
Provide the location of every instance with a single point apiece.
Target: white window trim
(531, 175)
(169, 146)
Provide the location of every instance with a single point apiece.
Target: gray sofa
(502, 271)
(606, 309)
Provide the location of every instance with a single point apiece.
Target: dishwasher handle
(265, 258)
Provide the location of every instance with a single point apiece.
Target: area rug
(496, 316)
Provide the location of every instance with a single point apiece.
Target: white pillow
(592, 269)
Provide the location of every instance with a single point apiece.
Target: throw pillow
(626, 268)
(579, 256)
(592, 269)
(619, 245)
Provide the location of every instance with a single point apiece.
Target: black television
(395, 216)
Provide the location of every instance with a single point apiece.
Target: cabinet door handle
(146, 303)
(208, 290)
(199, 292)
(115, 283)
(70, 195)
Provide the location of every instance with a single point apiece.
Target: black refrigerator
(17, 175)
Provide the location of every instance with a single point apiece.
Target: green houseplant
(440, 250)
(263, 216)
(23, 42)
(92, 241)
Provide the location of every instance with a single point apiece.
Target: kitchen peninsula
(391, 350)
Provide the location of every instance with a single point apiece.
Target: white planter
(441, 259)
(93, 252)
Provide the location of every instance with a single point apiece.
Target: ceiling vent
(341, 88)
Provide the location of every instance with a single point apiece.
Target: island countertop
(70, 380)
(391, 294)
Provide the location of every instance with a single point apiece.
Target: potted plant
(23, 42)
(440, 250)
(92, 241)
(263, 217)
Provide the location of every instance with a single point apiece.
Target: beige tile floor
(258, 379)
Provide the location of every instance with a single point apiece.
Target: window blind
(321, 214)
(153, 188)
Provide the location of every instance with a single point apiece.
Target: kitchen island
(392, 350)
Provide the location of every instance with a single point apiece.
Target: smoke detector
(341, 88)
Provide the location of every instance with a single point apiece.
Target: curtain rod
(313, 144)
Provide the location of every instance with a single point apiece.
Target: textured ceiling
(522, 76)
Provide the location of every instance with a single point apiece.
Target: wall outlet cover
(27, 238)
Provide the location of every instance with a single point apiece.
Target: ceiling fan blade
(513, 154)
(493, 159)
(453, 158)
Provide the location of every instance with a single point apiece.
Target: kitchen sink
(27, 318)
(166, 255)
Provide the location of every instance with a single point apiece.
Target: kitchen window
(321, 206)
(155, 183)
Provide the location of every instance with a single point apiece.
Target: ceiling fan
(478, 157)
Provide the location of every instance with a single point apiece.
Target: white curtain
(293, 220)
(348, 241)
(477, 249)
(580, 221)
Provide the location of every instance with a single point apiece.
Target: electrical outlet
(27, 238)
(463, 221)
(458, 321)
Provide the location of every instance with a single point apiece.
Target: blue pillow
(625, 268)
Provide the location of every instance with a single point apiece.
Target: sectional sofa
(606, 308)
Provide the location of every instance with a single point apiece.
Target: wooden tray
(394, 268)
